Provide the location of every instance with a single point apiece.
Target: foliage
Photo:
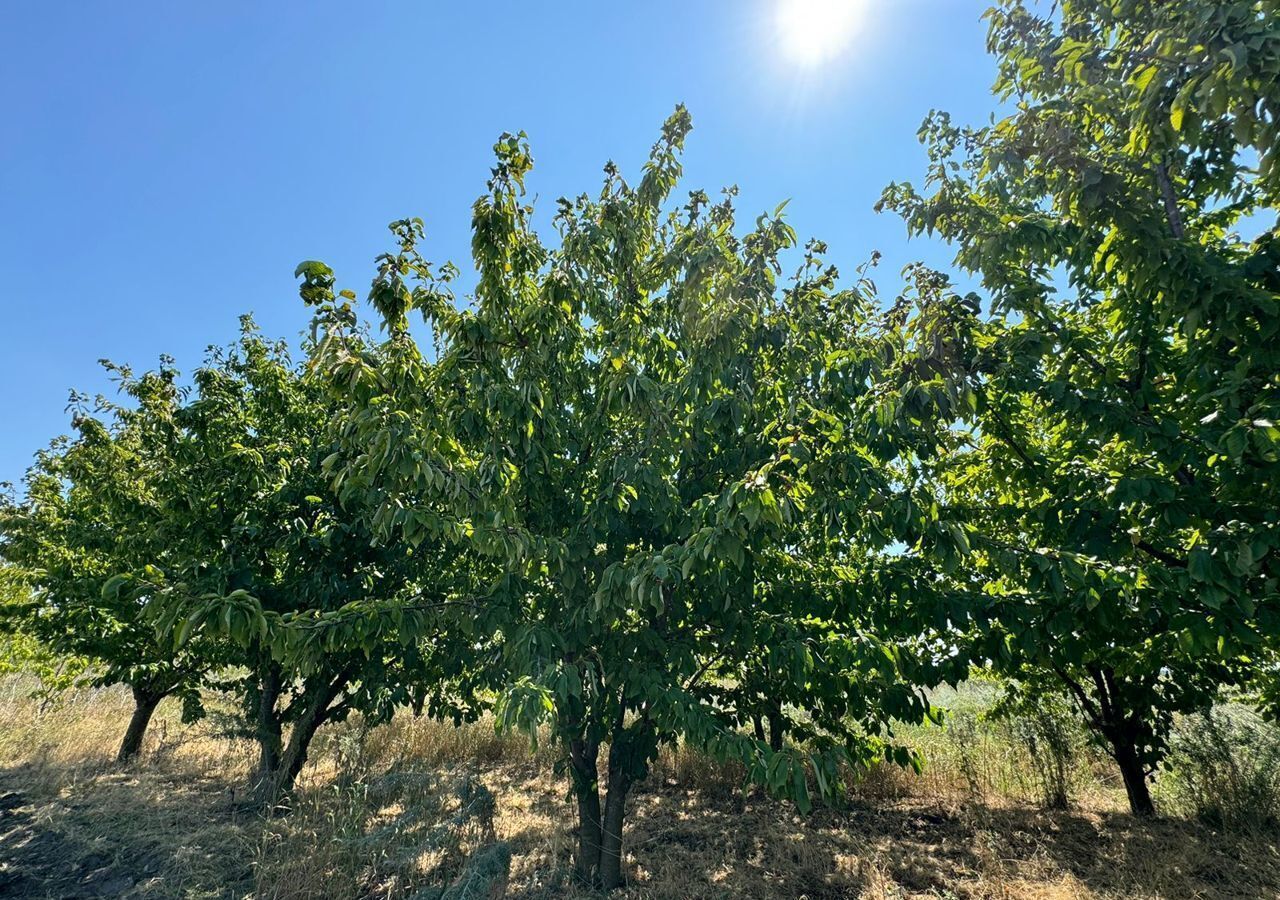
(264, 557)
(1224, 768)
(22, 652)
(193, 529)
(83, 538)
(678, 466)
(664, 479)
(1118, 474)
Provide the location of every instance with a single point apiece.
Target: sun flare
(814, 31)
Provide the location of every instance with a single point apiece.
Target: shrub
(1053, 741)
(1224, 768)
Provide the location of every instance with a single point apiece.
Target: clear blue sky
(165, 165)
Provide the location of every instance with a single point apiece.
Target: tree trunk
(776, 732)
(777, 727)
(269, 730)
(584, 760)
(144, 705)
(598, 861)
(614, 814)
(1119, 723)
(1135, 776)
(295, 753)
(275, 786)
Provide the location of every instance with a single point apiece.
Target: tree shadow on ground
(119, 831)
(696, 844)
(157, 830)
(1119, 855)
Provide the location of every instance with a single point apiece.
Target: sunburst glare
(815, 31)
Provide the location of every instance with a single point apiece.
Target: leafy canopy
(84, 539)
(679, 462)
(1119, 475)
(264, 558)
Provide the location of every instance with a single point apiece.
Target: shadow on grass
(1115, 854)
(688, 844)
(161, 830)
(120, 831)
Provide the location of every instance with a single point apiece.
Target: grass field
(372, 820)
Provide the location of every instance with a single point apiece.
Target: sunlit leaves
(1120, 495)
(681, 462)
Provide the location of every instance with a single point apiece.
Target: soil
(34, 857)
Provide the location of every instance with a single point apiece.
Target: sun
(814, 31)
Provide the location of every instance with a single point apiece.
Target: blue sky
(164, 166)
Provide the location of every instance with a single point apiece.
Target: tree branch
(1089, 707)
(1171, 211)
(1156, 553)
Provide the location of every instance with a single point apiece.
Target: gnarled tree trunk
(317, 700)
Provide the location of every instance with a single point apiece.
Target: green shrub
(1224, 768)
(1045, 728)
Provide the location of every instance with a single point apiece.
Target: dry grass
(368, 823)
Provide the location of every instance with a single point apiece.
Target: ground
(174, 824)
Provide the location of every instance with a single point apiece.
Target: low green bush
(1224, 769)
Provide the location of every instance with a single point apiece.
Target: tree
(81, 540)
(1119, 472)
(678, 467)
(263, 557)
(22, 652)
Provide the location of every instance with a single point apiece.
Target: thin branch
(1006, 435)
(702, 670)
(1171, 211)
(1104, 696)
(1156, 553)
(1090, 708)
(1068, 346)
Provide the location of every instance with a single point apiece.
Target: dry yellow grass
(367, 824)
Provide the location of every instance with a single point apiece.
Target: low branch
(1082, 697)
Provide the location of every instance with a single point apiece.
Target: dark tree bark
(777, 727)
(777, 730)
(1170, 199)
(318, 706)
(1107, 713)
(584, 761)
(615, 811)
(598, 861)
(1125, 752)
(269, 730)
(145, 702)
